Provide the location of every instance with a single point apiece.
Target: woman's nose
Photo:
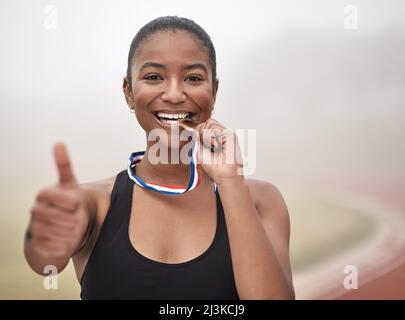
(174, 93)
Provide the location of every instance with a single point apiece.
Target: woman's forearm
(258, 273)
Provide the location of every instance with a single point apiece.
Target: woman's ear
(129, 98)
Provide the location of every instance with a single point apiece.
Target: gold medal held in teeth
(188, 124)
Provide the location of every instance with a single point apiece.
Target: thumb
(66, 176)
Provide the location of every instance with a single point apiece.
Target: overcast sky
(285, 65)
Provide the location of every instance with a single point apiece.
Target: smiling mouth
(172, 118)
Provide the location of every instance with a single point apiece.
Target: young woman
(197, 230)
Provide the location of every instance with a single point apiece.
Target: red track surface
(390, 285)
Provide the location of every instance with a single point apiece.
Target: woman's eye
(153, 77)
(193, 78)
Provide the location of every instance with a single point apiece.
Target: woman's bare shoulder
(265, 194)
(259, 187)
(99, 188)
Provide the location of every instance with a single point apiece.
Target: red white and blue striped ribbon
(194, 181)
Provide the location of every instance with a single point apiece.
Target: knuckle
(35, 211)
(40, 196)
(39, 212)
(43, 194)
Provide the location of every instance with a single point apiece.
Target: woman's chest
(172, 231)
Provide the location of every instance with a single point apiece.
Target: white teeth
(162, 115)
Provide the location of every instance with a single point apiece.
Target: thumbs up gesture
(59, 216)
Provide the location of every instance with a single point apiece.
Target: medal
(188, 124)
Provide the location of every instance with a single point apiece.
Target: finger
(45, 232)
(51, 215)
(48, 232)
(211, 137)
(49, 248)
(210, 134)
(204, 154)
(66, 176)
(63, 199)
(216, 140)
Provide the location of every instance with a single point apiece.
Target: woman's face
(171, 74)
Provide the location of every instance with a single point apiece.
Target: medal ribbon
(194, 181)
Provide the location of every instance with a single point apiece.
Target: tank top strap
(222, 230)
(118, 210)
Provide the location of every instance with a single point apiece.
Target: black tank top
(116, 270)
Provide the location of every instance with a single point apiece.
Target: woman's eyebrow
(195, 66)
(152, 64)
(184, 67)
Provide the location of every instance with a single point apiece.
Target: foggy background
(328, 103)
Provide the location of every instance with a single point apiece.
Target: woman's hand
(59, 215)
(219, 153)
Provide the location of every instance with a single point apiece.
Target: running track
(390, 285)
